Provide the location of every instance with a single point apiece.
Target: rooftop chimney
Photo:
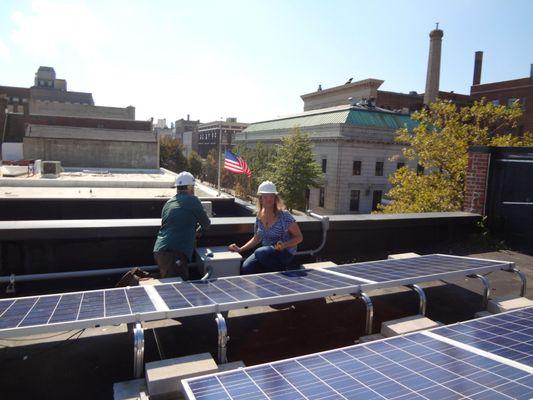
(478, 61)
(433, 75)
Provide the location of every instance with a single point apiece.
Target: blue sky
(253, 59)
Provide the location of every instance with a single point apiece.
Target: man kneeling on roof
(182, 218)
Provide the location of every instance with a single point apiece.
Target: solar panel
(74, 310)
(412, 367)
(379, 274)
(263, 289)
(415, 366)
(508, 335)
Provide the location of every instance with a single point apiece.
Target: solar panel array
(85, 309)
(416, 268)
(415, 366)
(507, 335)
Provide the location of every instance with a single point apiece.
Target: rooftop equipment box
(222, 261)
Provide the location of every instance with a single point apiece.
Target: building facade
(209, 134)
(355, 147)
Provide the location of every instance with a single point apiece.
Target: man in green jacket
(182, 217)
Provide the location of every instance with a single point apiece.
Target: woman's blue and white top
(279, 231)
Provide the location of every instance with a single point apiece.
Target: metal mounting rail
(223, 338)
(422, 297)
(523, 278)
(325, 228)
(369, 319)
(138, 350)
(486, 289)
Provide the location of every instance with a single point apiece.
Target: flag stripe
(236, 164)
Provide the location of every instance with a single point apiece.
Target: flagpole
(219, 154)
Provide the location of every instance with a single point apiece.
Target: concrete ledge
(163, 378)
(481, 314)
(230, 366)
(503, 304)
(129, 390)
(371, 338)
(402, 255)
(407, 325)
(152, 281)
(318, 265)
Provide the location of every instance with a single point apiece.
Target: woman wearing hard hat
(276, 230)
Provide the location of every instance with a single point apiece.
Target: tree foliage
(195, 164)
(171, 155)
(294, 169)
(440, 144)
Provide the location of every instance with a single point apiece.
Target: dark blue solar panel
(92, 305)
(508, 335)
(233, 290)
(411, 367)
(193, 295)
(139, 300)
(16, 313)
(41, 311)
(173, 299)
(116, 303)
(391, 270)
(214, 294)
(4, 305)
(67, 309)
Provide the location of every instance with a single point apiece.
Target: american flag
(236, 164)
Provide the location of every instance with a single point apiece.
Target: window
(324, 164)
(356, 168)
(307, 195)
(354, 200)
(321, 197)
(400, 164)
(496, 102)
(419, 169)
(510, 101)
(379, 168)
(376, 199)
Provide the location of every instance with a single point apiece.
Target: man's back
(179, 220)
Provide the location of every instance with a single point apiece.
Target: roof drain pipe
(325, 227)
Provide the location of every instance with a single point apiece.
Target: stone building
(92, 147)
(355, 147)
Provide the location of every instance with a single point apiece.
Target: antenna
(437, 25)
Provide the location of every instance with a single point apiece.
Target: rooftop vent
(51, 169)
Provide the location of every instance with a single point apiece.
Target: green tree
(171, 155)
(294, 169)
(195, 164)
(258, 159)
(440, 144)
(211, 167)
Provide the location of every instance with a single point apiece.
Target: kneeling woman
(276, 230)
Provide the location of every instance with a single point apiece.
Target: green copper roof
(349, 116)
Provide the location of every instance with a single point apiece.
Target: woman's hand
(279, 246)
(234, 248)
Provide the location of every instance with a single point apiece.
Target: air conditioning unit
(50, 169)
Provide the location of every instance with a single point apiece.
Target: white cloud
(4, 51)
(55, 27)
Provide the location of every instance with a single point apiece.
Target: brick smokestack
(433, 75)
(478, 62)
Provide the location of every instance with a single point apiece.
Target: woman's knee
(264, 254)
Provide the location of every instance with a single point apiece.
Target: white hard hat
(267, 187)
(184, 179)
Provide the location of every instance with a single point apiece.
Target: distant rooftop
(344, 114)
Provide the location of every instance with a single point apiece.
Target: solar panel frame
(490, 266)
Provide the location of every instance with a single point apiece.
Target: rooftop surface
(87, 363)
(78, 183)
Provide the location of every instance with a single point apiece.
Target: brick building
(209, 133)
